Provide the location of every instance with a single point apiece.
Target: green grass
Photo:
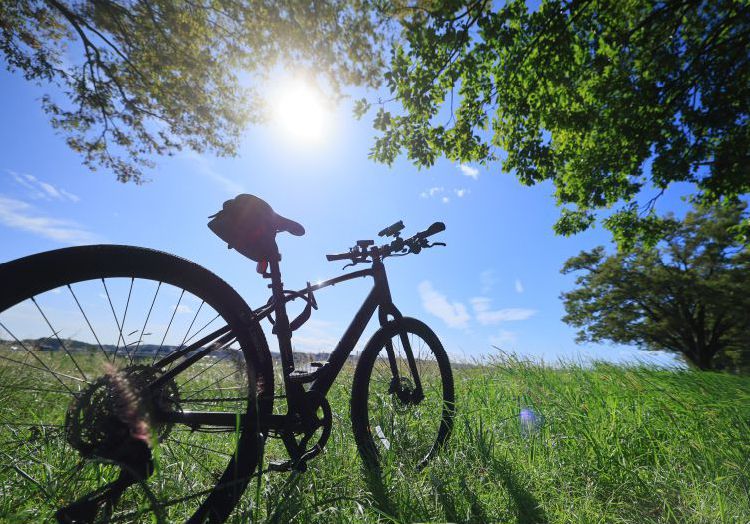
(616, 445)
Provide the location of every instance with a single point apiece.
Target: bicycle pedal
(280, 466)
(307, 375)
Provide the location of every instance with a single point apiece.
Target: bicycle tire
(387, 429)
(242, 364)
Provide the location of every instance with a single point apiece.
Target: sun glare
(300, 112)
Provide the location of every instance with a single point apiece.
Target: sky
(494, 288)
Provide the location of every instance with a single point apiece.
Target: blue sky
(497, 283)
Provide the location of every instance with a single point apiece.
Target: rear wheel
(393, 420)
(112, 361)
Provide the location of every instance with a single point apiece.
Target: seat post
(281, 326)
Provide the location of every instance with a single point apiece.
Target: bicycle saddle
(249, 225)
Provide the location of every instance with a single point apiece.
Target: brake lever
(436, 244)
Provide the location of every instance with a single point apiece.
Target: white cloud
(503, 338)
(487, 280)
(486, 316)
(17, 214)
(469, 171)
(182, 308)
(316, 336)
(432, 192)
(446, 200)
(460, 193)
(453, 314)
(40, 189)
(519, 286)
(203, 167)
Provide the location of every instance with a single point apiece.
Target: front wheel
(402, 403)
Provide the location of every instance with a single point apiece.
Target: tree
(614, 102)
(149, 77)
(689, 295)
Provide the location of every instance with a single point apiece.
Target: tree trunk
(705, 357)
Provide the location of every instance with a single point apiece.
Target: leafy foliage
(585, 94)
(613, 102)
(690, 295)
(145, 77)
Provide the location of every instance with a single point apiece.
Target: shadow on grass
(382, 503)
(527, 508)
(524, 505)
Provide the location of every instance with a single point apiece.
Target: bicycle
(138, 417)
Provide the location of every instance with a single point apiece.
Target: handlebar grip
(437, 227)
(339, 256)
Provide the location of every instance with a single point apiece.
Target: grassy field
(609, 444)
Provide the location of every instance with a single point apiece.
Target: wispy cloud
(429, 193)
(20, 215)
(487, 281)
(503, 338)
(460, 193)
(203, 167)
(519, 286)
(454, 314)
(487, 316)
(469, 171)
(39, 189)
(316, 336)
(439, 191)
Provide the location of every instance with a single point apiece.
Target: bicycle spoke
(197, 446)
(145, 322)
(121, 326)
(117, 323)
(44, 366)
(27, 476)
(182, 344)
(55, 334)
(214, 400)
(195, 460)
(204, 370)
(86, 318)
(170, 321)
(213, 384)
(201, 329)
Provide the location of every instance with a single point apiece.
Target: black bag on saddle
(249, 225)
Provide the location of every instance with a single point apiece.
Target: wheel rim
(403, 429)
(60, 346)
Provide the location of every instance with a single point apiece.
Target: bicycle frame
(300, 414)
(322, 379)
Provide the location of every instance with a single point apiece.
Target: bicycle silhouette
(141, 386)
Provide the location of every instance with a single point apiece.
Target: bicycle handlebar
(436, 227)
(397, 247)
(339, 256)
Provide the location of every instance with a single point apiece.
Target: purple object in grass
(530, 421)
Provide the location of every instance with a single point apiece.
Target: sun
(300, 112)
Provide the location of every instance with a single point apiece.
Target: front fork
(386, 310)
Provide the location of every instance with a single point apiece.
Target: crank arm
(86, 509)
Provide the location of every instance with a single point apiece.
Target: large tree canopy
(614, 102)
(145, 77)
(585, 94)
(690, 295)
